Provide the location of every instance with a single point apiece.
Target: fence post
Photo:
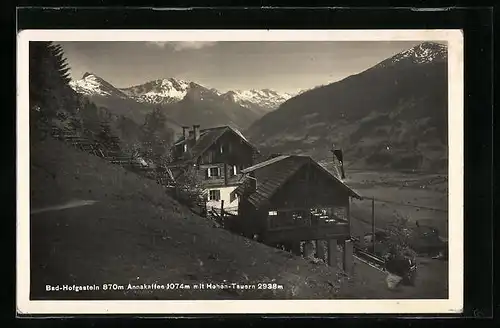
(373, 223)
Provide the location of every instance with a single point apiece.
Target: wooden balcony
(314, 232)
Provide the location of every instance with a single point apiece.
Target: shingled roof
(207, 138)
(273, 173)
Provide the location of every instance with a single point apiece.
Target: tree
(129, 130)
(189, 188)
(107, 139)
(401, 257)
(89, 115)
(399, 236)
(156, 137)
(49, 79)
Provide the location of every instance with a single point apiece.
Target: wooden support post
(320, 250)
(295, 247)
(332, 252)
(348, 214)
(225, 174)
(308, 249)
(347, 255)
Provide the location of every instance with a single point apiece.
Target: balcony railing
(315, 232)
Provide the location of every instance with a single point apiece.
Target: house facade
(216, 156)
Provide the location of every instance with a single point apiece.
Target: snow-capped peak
(264, 98)
(159, 91)
(91, 85)
(423, 53)
(171, 90)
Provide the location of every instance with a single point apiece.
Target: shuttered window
(213, 172)
(234, 170)
(214, 195)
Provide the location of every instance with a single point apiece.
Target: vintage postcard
(240, 171)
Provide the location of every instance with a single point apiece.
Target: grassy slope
(136, 233)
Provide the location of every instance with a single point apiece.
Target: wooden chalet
(217, 156)
(291, 199)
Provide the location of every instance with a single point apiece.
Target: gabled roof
(265, 163)
(270, 175)
(207, 138)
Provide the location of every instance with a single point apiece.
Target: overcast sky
(229, 65)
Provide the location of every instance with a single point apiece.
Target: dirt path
(431, 282)
(71, 204)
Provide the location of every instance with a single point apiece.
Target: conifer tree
(107, 139)
(49, 79)
(156, 137)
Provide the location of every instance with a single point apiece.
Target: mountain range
(183, 102)
(392, 115)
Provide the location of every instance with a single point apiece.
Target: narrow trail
(70, 204)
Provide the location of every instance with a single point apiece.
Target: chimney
(196, 132)
(185, 130)
(337, 154)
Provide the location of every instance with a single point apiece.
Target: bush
(189, 190)
(399, 237)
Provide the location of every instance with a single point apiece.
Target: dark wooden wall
(250, 220)
(310, 188)
(235, 151)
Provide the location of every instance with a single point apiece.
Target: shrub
(188, 188)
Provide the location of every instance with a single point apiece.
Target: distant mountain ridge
(260, 101)
(391, 115)
(175, 96)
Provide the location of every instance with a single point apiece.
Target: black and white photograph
(257, 168)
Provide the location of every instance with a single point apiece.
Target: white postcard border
(453, 304)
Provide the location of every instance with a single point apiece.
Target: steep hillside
(391, 115)
(130, 231)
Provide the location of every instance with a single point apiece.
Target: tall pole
(373, 224)
(222, 212)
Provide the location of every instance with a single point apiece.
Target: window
(213, 172)
(234, 170)
(214, 195)
(273, 213)
(185, 148)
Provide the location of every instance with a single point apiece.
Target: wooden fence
(222, 216)
(127, 161)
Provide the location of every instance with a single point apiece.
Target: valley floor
(420, 197)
